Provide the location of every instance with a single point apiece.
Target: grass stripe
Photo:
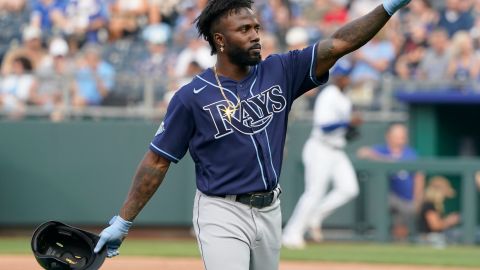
(454, 256)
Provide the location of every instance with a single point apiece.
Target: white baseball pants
(323, 164)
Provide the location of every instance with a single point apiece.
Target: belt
(256, 199)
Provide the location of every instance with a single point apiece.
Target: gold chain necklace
(232, 108)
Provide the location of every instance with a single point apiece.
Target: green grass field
(454, 256)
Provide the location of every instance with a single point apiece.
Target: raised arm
(354, 35)
(150, 174)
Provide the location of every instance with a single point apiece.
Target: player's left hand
(352, 133)
(113, 235)
(391, 6)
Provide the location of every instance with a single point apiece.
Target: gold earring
(221, 48)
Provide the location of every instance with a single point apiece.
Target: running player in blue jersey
(232, 119)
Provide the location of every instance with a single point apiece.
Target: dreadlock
(214, 10)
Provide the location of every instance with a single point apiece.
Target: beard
(244, 57)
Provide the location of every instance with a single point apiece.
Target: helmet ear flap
(62, 247)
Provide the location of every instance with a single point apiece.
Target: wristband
(120, 223)
(391, 6)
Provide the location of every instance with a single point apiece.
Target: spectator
(311, 18)
(432, 223)
(371, 61)
(86, 20)
(94, 78)
(163, 11)
(475, 31)
(16, 87)
(464, 63)
(361, 7)
(434, 65)
(455, 18)
(275, 17)
(158, 60)
(12, 6)
(421, 12)
(335, 16)
(325, 162)
(476, 9)
(55, 84)
(31, 49)
(198, 51)
(313, 12)
(467, 6)
(405, 187)
(394, 27)
(48, 15)
(57, 49)
(183, 27)
(125, 17)
(159, 63)
(296, 38)
(412, 52)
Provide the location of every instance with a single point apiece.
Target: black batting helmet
(58, 246)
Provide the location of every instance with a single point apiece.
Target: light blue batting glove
(391, 6)
(113, 235)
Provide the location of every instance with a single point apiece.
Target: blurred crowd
(77, 53)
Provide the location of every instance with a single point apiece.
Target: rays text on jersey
(254, 114)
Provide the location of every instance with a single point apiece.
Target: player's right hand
(113, 235)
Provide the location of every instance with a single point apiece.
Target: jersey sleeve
(299, 68)
(173, 136)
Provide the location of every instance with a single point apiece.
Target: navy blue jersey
(237, 152)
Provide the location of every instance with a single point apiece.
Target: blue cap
(343, 67)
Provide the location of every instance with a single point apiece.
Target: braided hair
(214, 10)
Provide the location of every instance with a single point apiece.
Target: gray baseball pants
(235, 236)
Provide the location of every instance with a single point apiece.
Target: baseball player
(325, 161)
(232, 118)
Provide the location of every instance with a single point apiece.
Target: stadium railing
(137, 96)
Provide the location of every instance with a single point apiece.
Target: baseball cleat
(293, 243)
(316, 234)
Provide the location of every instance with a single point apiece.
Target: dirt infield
(24, 262)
